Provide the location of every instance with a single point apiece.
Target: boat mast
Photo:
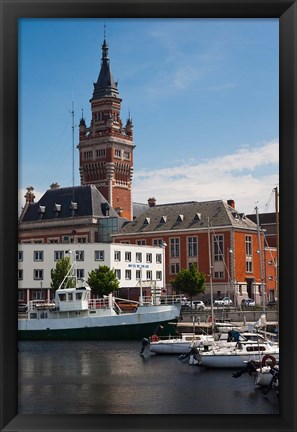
(261, 261)
(277, 242)
(210, 277)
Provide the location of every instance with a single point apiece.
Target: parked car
(272, 303)
(198, 305)
(226, 301)
(22, 307)
(248, 302)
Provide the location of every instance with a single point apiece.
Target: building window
(174, 247)
(218, 275)
(158, 275)
(248, 246)
(20, 274)
(52, 240)
(249, 267)
(38, 274)
(149, 258)
(149, 275)
(88, 155)
(38, 255)
(126, 155)
(118, 153)
(138, 274)
(99, 255)
(174, 268)
(100, 153)
(58, 255)
(138, 257)
(117, 255)
(80, 255)
(141, 242)
(128, 274)
(192, 246)
(128, 256)
(248, 254)
(159, 258)
(80, 273)
(118, 273)
(37, 295)
(218, 247)
(81, 239)
(21, 295)
(157, 242)
(20, 256)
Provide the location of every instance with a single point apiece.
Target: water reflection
(112, 378)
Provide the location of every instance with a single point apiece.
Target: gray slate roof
(90, 202)
(106, 85)
(187, 215)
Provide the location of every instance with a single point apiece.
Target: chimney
(231, 203)
(30, 195)
(151, 202)
(54, 186)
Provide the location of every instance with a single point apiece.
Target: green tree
(190, 282)
(57, 275)
(103, 281)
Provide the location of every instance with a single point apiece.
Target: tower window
(100, 153)
(118, 153)
(88, 155)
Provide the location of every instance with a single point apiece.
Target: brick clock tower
(106, 147)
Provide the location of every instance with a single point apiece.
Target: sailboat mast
(277, 242)
(210, 277)
(261, 261)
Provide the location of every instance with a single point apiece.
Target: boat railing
(41, 304)
(101, 303)
(159, 300)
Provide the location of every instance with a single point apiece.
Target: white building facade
(136, 267)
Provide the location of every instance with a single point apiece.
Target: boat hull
(128, 326)
(228, 361)
(174, 347)
(120, 332)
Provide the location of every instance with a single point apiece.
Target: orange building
(203, 233)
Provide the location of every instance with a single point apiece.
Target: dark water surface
(112, 378)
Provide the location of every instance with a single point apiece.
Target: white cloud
(240, 176)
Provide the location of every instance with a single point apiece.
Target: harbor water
(63, 377)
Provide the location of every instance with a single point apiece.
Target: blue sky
(202, 93)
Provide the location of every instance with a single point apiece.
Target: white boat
(74, 315)
(178, 345)
(230, 355)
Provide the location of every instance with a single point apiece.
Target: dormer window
(41, 211)
(147, 221)
(57, 209)
(235, 215)
(73, 206)
(180, 218)
(163, 219)
(197, 216)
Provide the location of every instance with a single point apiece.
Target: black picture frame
(11, 11)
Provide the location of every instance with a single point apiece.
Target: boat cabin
(73, 299)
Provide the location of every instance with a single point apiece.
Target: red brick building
(106, 146)
(186, 228)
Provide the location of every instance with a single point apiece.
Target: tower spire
(105, 85)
